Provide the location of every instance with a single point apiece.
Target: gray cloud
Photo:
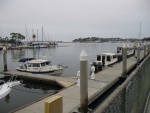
(69, 19)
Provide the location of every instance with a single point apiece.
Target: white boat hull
(6, 88)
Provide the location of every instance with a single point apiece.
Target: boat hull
(51, 72)
(6, 88)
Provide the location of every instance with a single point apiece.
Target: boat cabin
(106, 58)
(38, 63)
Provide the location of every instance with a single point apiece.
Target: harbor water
(65, 53)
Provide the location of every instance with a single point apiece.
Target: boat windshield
(98, 58)
(114, 56)
(108, 58)
(45, 64)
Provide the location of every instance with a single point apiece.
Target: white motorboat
(130, 52)
(38, 66)
(106, 59)
(5, 88)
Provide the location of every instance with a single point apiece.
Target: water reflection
(17, 54)
(7, 97)
(27, 92)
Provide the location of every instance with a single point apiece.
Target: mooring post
(124, 57)
(83, 82)
(92, 73)
(138, 53)
(5, 58)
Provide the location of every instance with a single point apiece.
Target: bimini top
(26, 59)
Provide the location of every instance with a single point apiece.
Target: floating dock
(71, 92)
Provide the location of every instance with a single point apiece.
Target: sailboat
(38, 44)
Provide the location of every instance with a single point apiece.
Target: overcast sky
(69, 19)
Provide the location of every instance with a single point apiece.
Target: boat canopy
(26, 59)
(38, 61)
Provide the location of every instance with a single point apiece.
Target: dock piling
(5, 59)
(138, 53)
(83, 82)
(124, 56)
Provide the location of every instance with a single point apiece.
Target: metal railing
(131, 96)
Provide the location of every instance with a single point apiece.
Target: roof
(26, 59)
(38, 61)
(106, 54)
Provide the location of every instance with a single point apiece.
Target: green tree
(17, 36)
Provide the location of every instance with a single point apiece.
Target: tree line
(97, 39)
(14, 38)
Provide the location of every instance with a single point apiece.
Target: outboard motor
(99, 66)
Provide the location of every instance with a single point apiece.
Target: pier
(105, 83)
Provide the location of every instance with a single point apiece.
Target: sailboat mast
(27, 39)
(26, 32)
(139, 36)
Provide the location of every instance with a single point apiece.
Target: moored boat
(5, 88)
(107, 59)
(33, 65)
(104, 59)
(130, 52)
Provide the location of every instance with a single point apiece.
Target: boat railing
(13, 78)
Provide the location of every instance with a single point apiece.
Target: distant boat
(33, 65)
(5, 88)
(130, 52)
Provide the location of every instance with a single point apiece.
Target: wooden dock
(71, 93)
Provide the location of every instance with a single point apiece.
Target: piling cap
(124, 45)
(4, 48)
(83, 56)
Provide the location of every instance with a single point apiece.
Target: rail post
(83, 82)
(148, 48)
(138, 53)
(78, 78)
(5, 59)
(144, 50)
(124, 57)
